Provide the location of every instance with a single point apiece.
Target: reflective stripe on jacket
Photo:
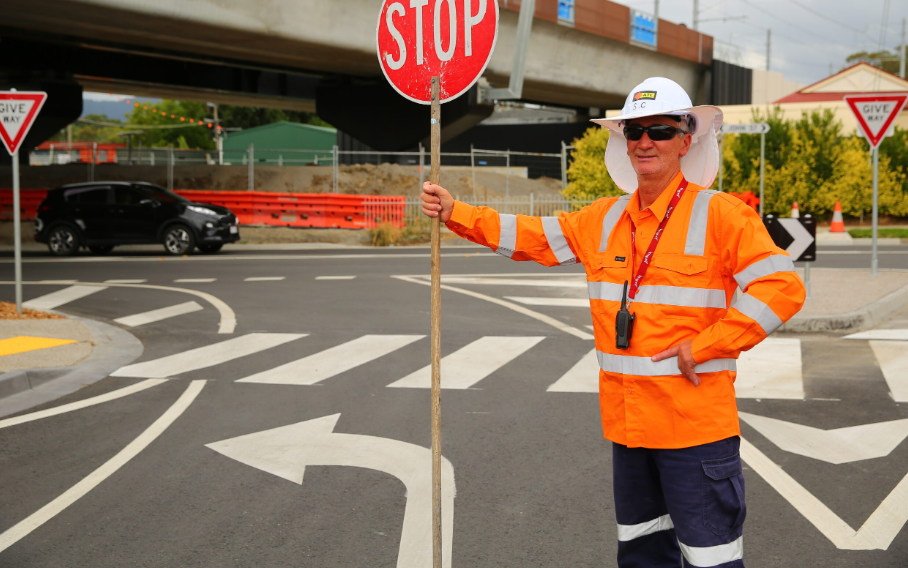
(712, 245)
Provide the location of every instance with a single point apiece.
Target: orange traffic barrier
(837, 225)
(29, 200)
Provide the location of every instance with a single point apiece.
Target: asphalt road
(163, 477)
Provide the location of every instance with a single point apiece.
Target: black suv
(101, 215)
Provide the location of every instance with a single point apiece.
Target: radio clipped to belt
(624, 320)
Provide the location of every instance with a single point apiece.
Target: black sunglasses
(656, 132)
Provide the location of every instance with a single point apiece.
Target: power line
(146, 126)
(784, 21)
(827, 18)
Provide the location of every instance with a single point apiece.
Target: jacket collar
(659, 206)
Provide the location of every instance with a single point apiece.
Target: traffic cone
(837, 226)
(794, 211)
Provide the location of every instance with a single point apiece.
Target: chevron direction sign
(798, 237)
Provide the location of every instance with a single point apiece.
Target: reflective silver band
(665, 295)
(611, 218)
(708, 556)
(696, 230)
(759, 312)
(646, 367)
(630, 532)
(765, 267)
(507, 241)
(559, 245)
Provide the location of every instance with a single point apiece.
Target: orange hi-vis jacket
(712, 244)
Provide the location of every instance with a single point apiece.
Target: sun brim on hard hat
(700, 165)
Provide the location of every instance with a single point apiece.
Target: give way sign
(450, 39)
(18, 110)
(876, 113)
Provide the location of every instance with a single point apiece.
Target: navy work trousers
(680, 507)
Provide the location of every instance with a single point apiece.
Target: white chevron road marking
(582, 377)
(771, 370)
(839, 445)
(472, 363)
(60, 297)
(893, 359)
(159, 314)
(325, 364)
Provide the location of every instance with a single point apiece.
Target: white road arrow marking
(877, 532)
(801, 236)
(840, 445)
(286, 451)
(893, 359)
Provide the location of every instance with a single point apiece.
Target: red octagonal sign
(451, 39)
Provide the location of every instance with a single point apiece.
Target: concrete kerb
(865, 318)
(113, 348)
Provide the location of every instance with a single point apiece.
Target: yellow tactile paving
(24, 343)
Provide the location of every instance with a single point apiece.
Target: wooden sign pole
(435, 178)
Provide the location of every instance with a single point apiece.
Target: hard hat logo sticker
(645, 95)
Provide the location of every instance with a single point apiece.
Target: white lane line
(335, 277)
(127, 281)
(22, 529)
(893, 359)
(79, 404)
(208, 356)
(228, 316)
(325, 364)
(264, 278)
(582, 377)
(510, 305)
(558, 302)
(60, 297)
(877, 532)
(472, 363)
(579, 282)
(882, 334)
(159, 314)
(772, 370)
(194, 280)
(58, 281)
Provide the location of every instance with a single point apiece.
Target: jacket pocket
(724, 508)
(685, 264)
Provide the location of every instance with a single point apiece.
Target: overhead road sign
(18, 110)
(875, 115)
(449, 39)
(755, 128)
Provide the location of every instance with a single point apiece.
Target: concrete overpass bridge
(318, 55)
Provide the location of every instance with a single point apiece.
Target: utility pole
(696, 13)
(656, 12)
(218, 140)
(768, 44)
(902, 54)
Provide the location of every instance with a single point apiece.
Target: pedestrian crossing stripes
(61, 297)
(892, 357)
(334, 361)
(208, 356)
(582, 377)
(159, 314)
(469, 365)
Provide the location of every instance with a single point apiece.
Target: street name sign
(797, 237)
(18, 110)
(876, 113)
(755, 128)
(449, 39)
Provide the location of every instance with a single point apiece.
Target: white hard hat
(661, 96)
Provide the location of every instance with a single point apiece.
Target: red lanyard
(644, 265)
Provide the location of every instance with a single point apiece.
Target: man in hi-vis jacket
(662, 264)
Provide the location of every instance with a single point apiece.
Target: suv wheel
(178, 239)
(63, 241)
(100, 249)
(210, 249)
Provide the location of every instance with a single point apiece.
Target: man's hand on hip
(436, 200)
(686, 363)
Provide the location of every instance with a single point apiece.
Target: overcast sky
(807, 35)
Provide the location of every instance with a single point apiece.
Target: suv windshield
(161, 194)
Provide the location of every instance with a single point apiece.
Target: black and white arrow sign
(798, 237)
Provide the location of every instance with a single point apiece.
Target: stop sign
(451, 39)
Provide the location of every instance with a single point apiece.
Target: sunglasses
(656, 132)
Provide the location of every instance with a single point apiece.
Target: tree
(885, 60)
(183, 122)
(248, 117)
(587, 176)
(90, 128)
